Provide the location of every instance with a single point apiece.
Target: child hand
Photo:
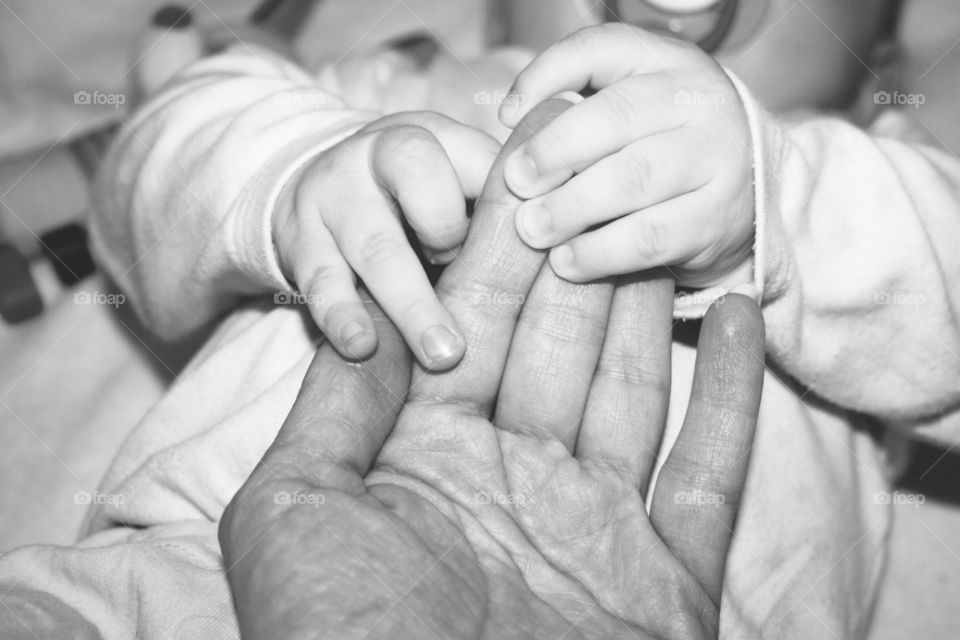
(341, 217)
(661, 153)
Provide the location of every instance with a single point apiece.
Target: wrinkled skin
(504, 498)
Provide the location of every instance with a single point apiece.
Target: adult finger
(627, 408)
(493, 265)
(338, 424)
(343, 413)
(697, 495)
(553, 357)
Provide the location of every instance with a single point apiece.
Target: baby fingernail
(535, 222)
(522, 170)
(351, 332)
(561, 258)
(444, 257)
(439, 343)
(509, 108)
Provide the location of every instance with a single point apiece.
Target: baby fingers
(594, 57)
(353, 195)
(647, 172)
(327, 286)
(604, 123)
(666, 234)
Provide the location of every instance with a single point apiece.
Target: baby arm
(851, 237)
(249, 176)
(185, 196)
(858, 258)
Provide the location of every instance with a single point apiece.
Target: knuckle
(549, 144)
(643, 371)
(423, 119)
(377, 249)
(480, 297)
(651, 242)
(620, 105)
(405, 142)
(320, 278)
(565, 323)
(411, 152)
(598, 36)
(415, 308)
(636, 172)
(315, 180)
(432, 121)
(582, 38)
(702, 140)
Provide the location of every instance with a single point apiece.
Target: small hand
(341, 217)
(660, 155)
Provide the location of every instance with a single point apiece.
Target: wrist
(283, 226)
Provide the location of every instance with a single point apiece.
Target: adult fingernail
(535, 222)
(351, 332)
(439, 344)
(521, 171)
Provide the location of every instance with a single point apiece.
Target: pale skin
(660, 154)
(340, 220)
(461, 509)
(675, 177)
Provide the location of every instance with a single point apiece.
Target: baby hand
(341, 218)
(660, 156)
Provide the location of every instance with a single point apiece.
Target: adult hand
(506, 498)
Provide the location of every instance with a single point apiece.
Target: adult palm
(505, 498)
